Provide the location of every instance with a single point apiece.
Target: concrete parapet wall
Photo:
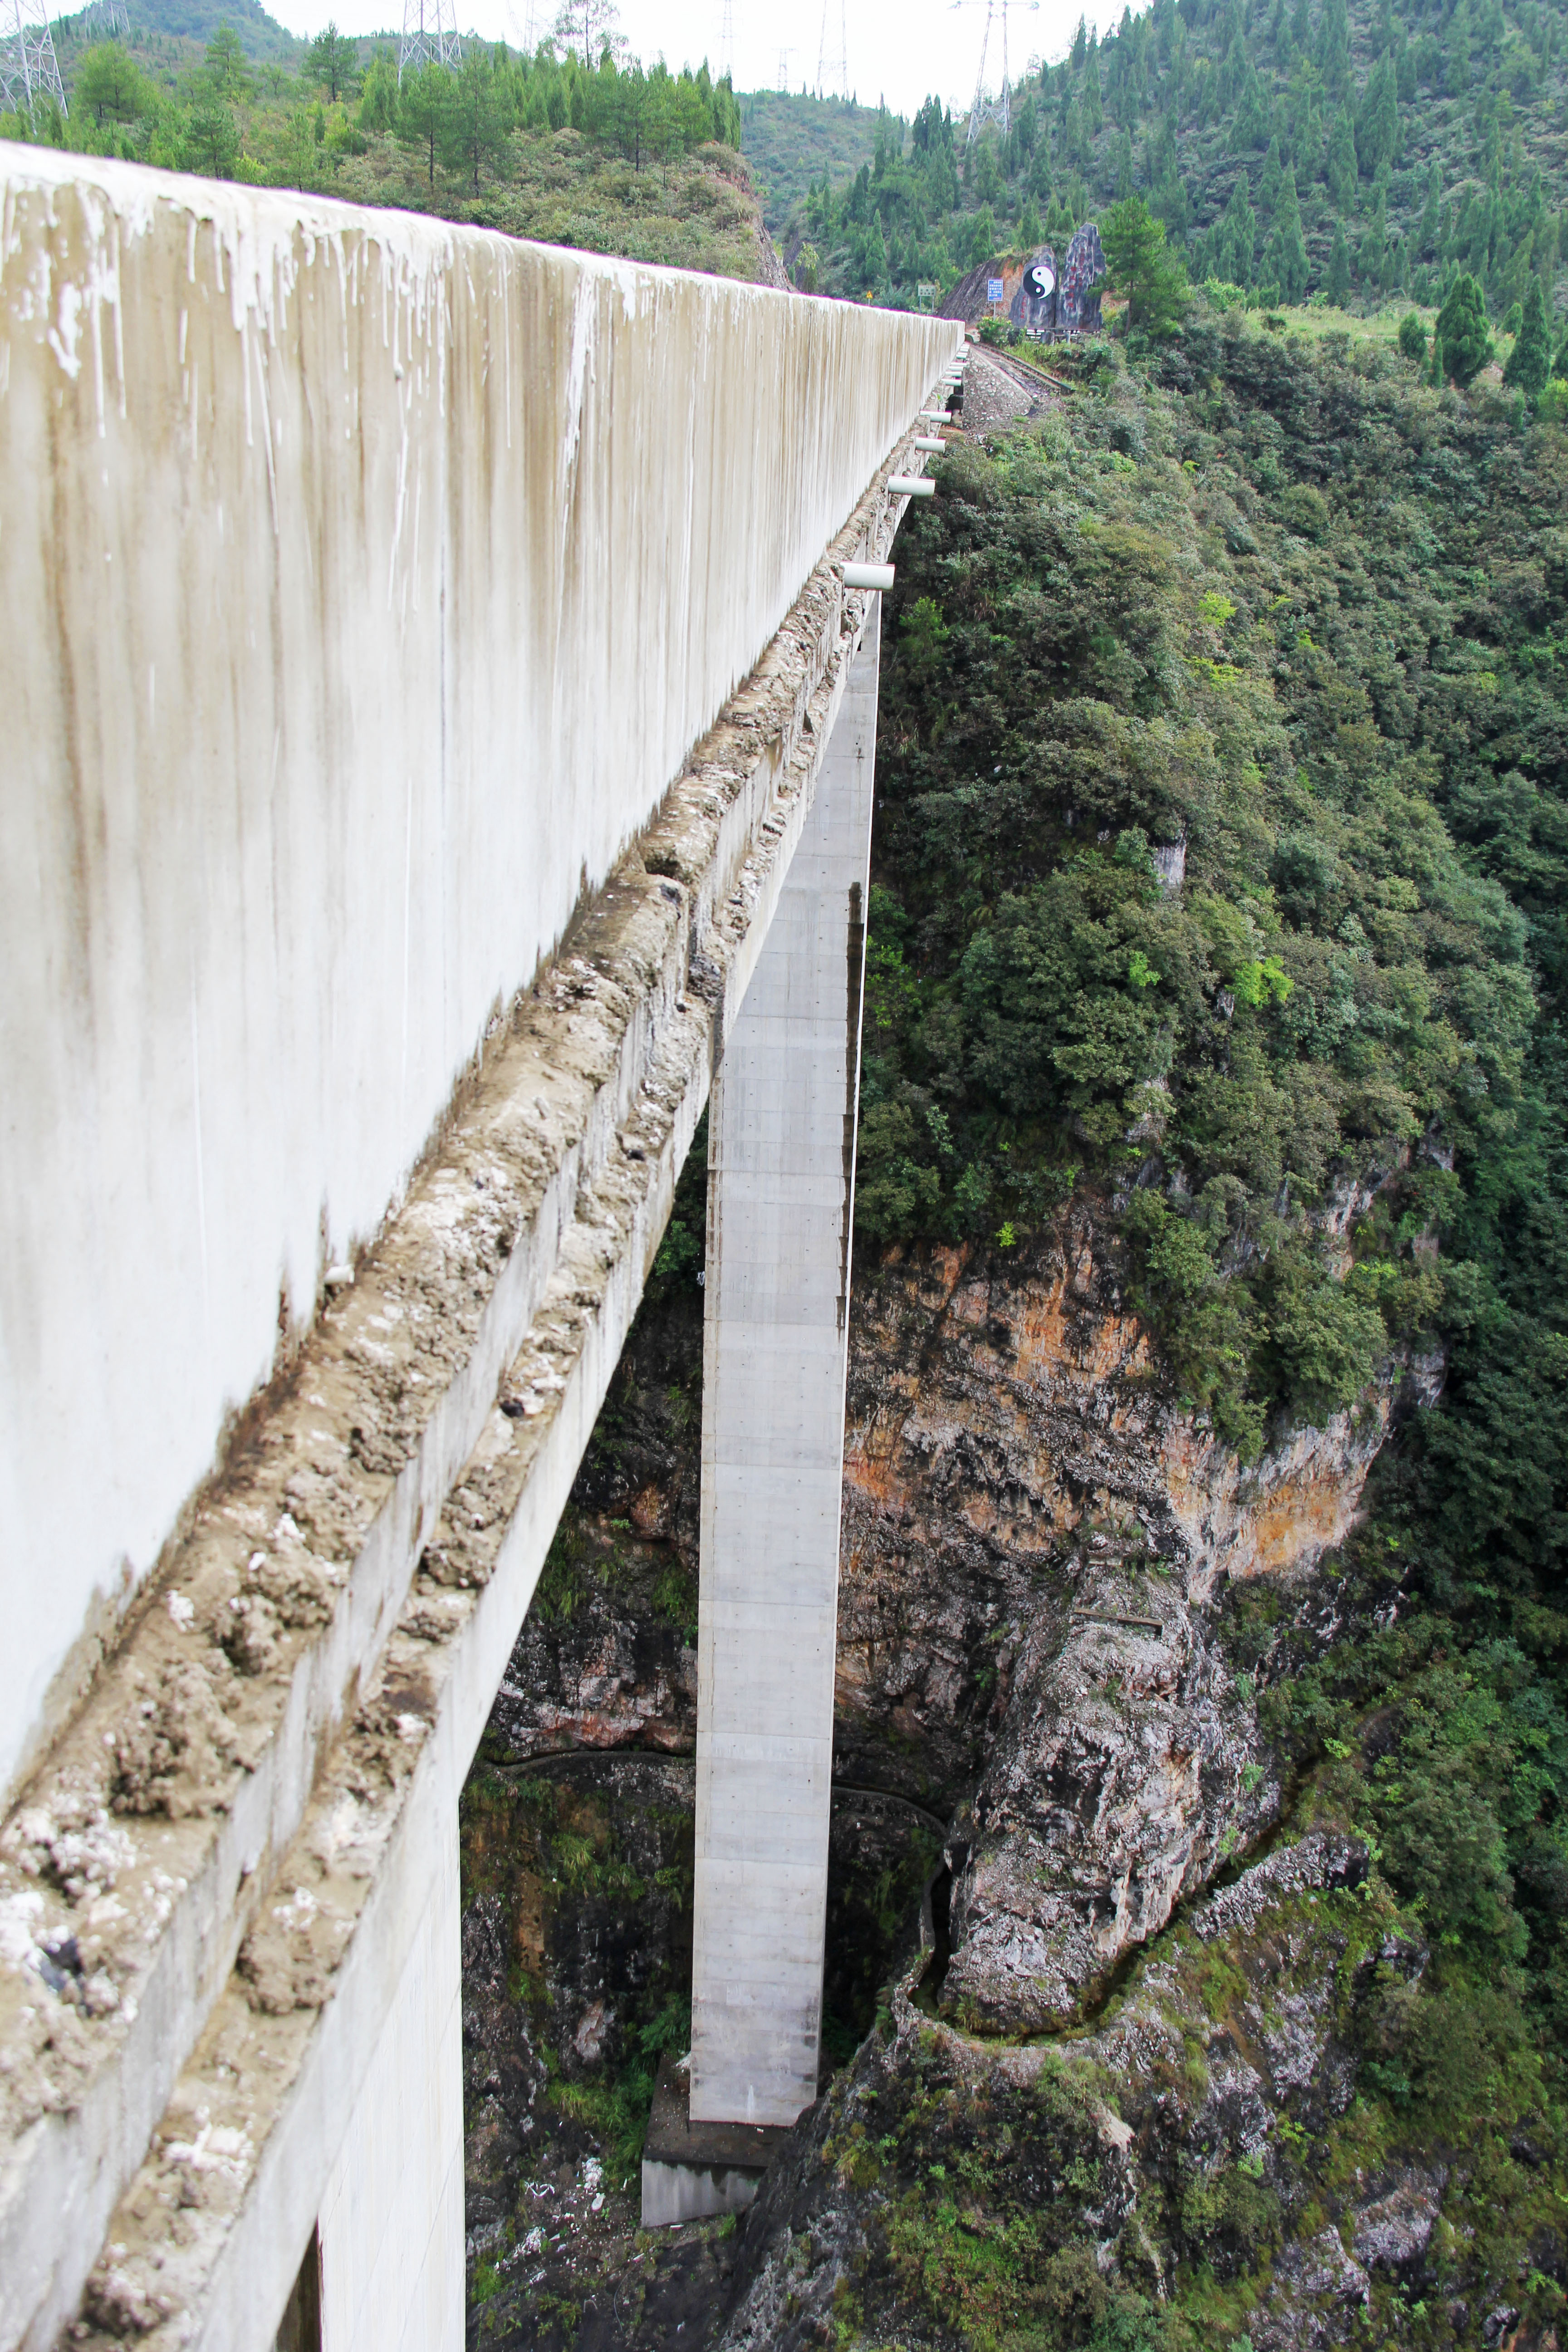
(367, 582)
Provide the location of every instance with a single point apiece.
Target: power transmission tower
(997, 109)
(833, 65)
(430, 36)
(784, 57)
(29, 69)
(106, 20)
(727, 42)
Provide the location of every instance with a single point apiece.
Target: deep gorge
(1201, 1527)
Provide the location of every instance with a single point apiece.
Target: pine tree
(1530, 361)
(1427, 235)
(1377, 133)
(1289, 261)
(1462, 325)
(1339, 288)
(1456, 64)
(1142, 266)
(1435, 377)
(1240, 228)
(1340, 166)
(1271, 186)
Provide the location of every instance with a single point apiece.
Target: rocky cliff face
(1038, 1649)
(953, 2189)
(1038, 1544)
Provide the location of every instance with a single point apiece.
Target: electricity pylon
(833, 67)
(429, 37)
(29, 66)
(727, 42)
(993, 109)
(784, 57)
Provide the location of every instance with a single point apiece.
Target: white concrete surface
(342, 1894)
(673, 2193)
(392, 2218)
(366, 581)
(782, 1131)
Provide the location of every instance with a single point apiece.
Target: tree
(211, 141)
(110, 84)
(225, 64)
(1457, 65)
(1462, 324)
(1437, 378)
(1142, 266)
(589, 28)
(424, 106)
(1413, 338)
(475, 127)
(1286, 257)
(1377, 133)
(1530, 361)
(1339, 288)
(378, 100)
(1339, 160)
(333, 61)
(1236, 241)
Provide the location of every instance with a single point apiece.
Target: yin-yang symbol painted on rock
(1039, 284)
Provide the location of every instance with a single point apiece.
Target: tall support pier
(782, 1131)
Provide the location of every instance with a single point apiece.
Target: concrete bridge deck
(422, 651)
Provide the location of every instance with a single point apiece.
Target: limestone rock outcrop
(1039, 1539)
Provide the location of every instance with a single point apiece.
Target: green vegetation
(1358, 151)
(788, 138)
(1292, 632)
(611, 1867)
(1143, 268)
(1270, 610)
(611, 159)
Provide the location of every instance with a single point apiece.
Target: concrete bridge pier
(782, 1134)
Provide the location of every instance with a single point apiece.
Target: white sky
(897, 48)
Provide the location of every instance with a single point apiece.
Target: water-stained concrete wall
(366, 580)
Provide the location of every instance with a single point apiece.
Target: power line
(29, 69)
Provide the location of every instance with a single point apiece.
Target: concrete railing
(367, 582)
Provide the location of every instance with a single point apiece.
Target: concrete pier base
(782, 1132)
(690, 2170)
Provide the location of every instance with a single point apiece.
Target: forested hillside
(1306, 146)
(790, 139)
(613, 158)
